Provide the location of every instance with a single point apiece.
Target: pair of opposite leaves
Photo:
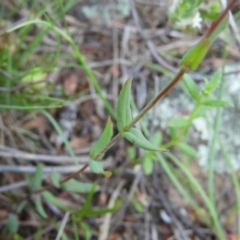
(124, 118)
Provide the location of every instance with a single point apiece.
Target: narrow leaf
(96, 166)
(188, 150)
(195, 54)
(124, 115)
(39, 206)
(213, 82)
(48, 196)
(12, 223)
(136, 137)
(79, 187)
(217, 103)
(177, 122)
(103, 140)
(191, 87)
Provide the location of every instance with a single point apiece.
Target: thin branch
(42, 158)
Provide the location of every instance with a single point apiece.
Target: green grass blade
(212, 148)
(78, 54)
(209, 204)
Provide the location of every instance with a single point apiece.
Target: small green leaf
(102, 141)
(39, 206)
(188, 150)
(124, 115)
(213, 83)
(217, 103)
(79, 187)
(177, 122)
(147, 165)
(56, 178)
(48, 196)
(136, 137)
(96, 166)
(195, 54)
(12, 223)
(191, 87)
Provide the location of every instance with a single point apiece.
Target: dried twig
(104, 228)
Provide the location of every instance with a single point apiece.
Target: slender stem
(110, 144)
(160, 95)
